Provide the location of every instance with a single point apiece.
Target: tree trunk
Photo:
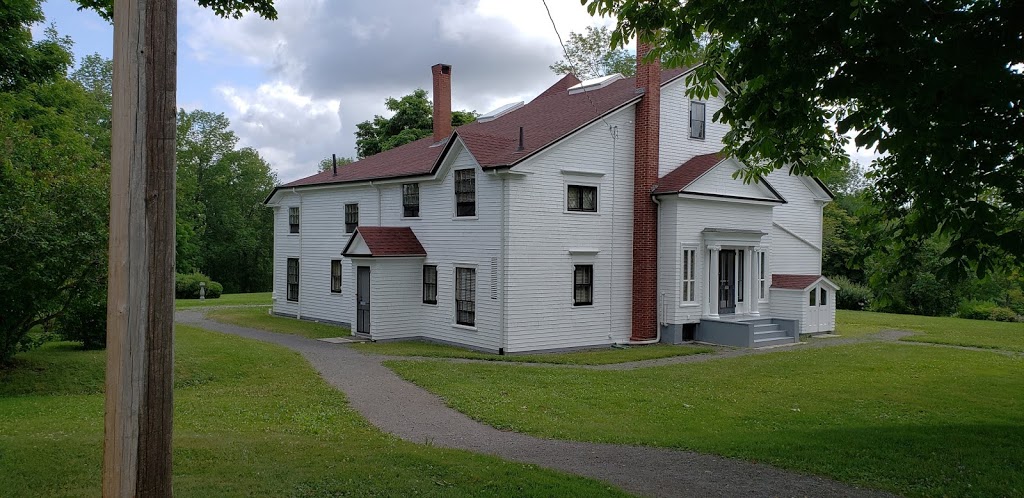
(140, 303)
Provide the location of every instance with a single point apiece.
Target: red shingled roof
(688, 172)
(793, 282)
(387, 241)
(547, 118)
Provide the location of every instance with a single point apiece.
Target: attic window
(697, 120)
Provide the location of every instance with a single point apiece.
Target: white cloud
(288, 128)
(332, 64)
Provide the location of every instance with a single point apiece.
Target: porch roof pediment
(799, 282)
(711, 176)
(372, 242)
(733, 237)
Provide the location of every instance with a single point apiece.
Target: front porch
(746, 331)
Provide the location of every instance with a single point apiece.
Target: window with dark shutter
(293, 220)
(411, 200)
(293, 279)
(582, 198)
(465, 192)
(583, 285)
(430, 284)
(351, 217)
(465, 296)
(336, 275)
(697, 120)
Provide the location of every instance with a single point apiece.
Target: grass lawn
(258, 318)
(935, 329)
(917, 421)
(603, 356)
(251, 419)
(256, 298)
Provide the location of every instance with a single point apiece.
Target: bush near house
(986, 310)
(186, 286)
(852, 296)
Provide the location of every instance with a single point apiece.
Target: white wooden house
(600, 212)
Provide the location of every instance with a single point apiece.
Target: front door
(363, 299)
(727, 282)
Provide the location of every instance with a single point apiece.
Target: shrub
(186, 286)
(976, 310)
(85, 321)
(1001, 314)
(852, 296)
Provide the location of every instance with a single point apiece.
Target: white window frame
(455, 195)
(762, 276)
(455, 295)
(576, 183)
(688, 279)
(704, 120)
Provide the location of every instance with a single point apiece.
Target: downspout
(298, 303)
(614, 130)
(661, 299)
(503, 346)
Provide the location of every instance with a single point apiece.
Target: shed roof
(798, 282)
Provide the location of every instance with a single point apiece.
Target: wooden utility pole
(140, 299)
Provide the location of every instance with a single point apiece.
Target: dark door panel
(727, 282)
(363, 300)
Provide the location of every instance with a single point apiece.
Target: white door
(813, 311)
(824, 316)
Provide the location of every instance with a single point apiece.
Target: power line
(571, 66)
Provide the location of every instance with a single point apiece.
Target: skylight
(499, 112)
(595, 83)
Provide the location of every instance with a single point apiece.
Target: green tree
(936, 86)
(328, 162)
(591, 55)
(223, 229)
(412, 119)
(22, 60)
(53, 212)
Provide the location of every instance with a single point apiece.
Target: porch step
(759, 321)
(775, 341)
(768, 332)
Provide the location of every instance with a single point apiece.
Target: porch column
(713, 284)
(753, 287)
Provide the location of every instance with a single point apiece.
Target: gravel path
(416, 415)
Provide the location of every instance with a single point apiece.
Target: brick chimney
(645, 213)
(442, 101)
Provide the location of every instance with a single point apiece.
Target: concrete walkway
(416, 415)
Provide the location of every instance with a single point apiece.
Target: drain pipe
(661, 305)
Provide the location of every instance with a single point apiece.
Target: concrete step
(769, 333)
(765, 326)
(776, 341)
(759, 321)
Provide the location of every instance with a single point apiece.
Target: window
(336, 276)
(351, 217)
(430, 284)
(465, 192)
(293, 220)
(411, 200)
(293, 279)
(583, 285)
(739, 275)
(465, 296)
(689, 280)
(761, 269)
(697, 120)
(582, 199)
(824, 297)
(813, 297)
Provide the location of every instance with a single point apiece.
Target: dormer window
(697, 120)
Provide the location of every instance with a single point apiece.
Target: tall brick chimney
(645, 214)
(442, 101)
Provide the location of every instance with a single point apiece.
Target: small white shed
(811, 299)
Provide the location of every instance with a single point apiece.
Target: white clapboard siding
(801, 215)
(447, 240)
(539, 285)
(676, 145)
(690, 217)
(720, 181)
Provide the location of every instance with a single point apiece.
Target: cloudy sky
(295, 88)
